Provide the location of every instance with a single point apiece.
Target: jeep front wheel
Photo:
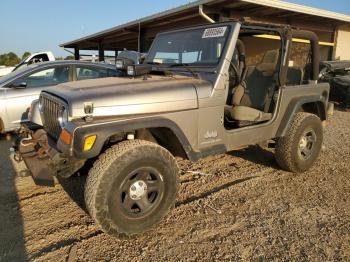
(298, 150)
(131, 187)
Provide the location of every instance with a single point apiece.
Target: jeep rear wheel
(131, 187)
(298, 150)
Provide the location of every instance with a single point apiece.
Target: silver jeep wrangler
(200, 91)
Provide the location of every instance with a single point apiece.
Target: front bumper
(43, 160)
(40, 169)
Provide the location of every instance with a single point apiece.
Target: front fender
(105, 130)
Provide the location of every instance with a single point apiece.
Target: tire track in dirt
(225, 186)
(93, 233)
(219, 184)
(221, 171)
(212, 191)
(63, 243)
(21, 199)
(268, 214)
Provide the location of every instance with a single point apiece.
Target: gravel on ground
(238, 206)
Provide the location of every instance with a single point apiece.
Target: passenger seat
(249, 99)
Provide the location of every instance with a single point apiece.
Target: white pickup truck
(32, 59)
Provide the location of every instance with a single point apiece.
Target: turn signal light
(89, 142)
(66, 137)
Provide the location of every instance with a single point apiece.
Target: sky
(39, 25)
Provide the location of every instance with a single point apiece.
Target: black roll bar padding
(315, 51)
(241, 51)
(240, 47)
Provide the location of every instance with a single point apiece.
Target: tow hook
(30, 144)
(16, 155)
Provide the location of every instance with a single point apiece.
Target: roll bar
(315, 52)
(241, 52)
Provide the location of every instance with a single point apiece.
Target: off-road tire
(104, 179)
(286, 151)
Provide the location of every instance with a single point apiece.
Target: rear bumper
(44, 161)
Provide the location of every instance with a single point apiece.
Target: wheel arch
(163, 131)
(166, 137)
(318, 108)
(313, 105)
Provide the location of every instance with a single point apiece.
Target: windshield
(203, 46)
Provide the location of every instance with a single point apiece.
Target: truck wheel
(131, 187)
(299, 148)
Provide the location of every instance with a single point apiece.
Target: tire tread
(283, 153)
(102, 165)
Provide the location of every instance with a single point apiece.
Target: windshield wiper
(186, 66)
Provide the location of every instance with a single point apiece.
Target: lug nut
(133, 188)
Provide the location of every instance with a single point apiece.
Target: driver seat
(249, 99)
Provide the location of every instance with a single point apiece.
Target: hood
(124, 96)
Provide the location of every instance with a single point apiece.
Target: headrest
(269, 62)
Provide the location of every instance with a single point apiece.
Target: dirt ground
(243, 208)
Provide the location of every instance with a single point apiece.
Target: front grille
(51, 111)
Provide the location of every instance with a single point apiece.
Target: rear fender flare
(296, 105)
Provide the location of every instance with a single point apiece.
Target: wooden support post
(101, 52)
(143, 46)
(76, 53)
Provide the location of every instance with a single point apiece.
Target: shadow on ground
(74, 187)
(12, 243)
(257, 155)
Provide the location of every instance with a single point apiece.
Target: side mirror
(19, 85)
(139, 70)
(123, 63)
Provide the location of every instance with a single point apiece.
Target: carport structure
(333, 29)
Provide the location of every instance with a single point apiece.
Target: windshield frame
(170, 66)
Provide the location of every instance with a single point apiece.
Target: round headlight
(63, 117)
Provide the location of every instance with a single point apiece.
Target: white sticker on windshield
(214, 32)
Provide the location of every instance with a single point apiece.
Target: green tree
(13, 59)
(3, 59)
(25, 55)
(9, 59)
(69, 57)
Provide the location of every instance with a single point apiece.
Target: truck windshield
(203, 46)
